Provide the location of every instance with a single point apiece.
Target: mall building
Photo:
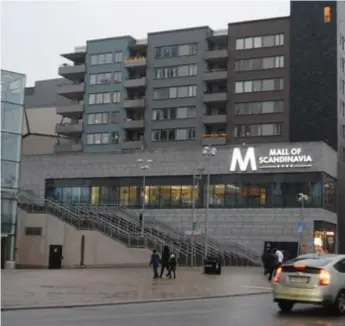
(252, 91)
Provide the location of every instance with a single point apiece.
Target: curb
(119, 303)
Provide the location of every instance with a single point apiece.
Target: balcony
(71, 91)
(77, 56)
(214, 55)
(215, 97)
(133, 62)
(133, 124)
(214, 139)
(214, 119)
(134, 103)
(63, 147)
(135, 83)
(216, 75)
(73, 111)
(132, 144)
(69, 128)
(71, 72)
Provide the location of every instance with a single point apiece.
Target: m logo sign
(243, 161)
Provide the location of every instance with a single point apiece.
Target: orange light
(327, 14)
(276, 278)
(324, 277)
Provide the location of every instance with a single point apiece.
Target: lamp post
(302, 198)
(209, 152)
(144, 165)
(197, 175)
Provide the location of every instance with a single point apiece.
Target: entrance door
(55, 256)
(3, 251)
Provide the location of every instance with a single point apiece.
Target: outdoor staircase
(122, 225)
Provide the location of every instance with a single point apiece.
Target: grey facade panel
(44, 94)
(188, 36)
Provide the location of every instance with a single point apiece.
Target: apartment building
(270, 83)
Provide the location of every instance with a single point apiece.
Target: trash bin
(212, 266)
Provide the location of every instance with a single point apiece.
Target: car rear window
(314, 262)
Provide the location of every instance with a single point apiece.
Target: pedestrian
(272, 263)
(154, 262)
(264, 258)
(141, 220)
(165, 260)
(172, 266)
(280, 256)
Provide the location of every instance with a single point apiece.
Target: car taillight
(276, 278)
(324, 277)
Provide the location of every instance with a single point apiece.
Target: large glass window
(124, 195)
(133, 196)
(165, 196)
(104, 197)
(95, 195)
(84, 195)
(67, 195)
(8, 211)
(11, 117)
(75, 195)
(9, 174)
(154, 196)
(175, 196)
(186, 196)
(10, 146)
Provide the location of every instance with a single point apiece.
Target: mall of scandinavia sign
(276, 158)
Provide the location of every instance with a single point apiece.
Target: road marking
(257, 287)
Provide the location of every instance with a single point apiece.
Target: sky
(35, 33)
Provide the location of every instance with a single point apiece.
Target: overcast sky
(34, 33)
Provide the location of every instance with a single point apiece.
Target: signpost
(300, 225)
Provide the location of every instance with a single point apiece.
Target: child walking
(172, 266)
(154, 262)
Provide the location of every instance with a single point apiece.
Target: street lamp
(302, 198)
(209, 152)
(144, 165)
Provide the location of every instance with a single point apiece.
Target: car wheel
(286, 306)
(340, 303)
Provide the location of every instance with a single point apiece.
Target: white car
(318, 279)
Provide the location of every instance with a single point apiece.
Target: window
(342, 86)
(342, 42)
(104, 78)
(10, 146)
(342, 108)
(117, 76)
(115, 117)
(33, 231)
(174, 92)
(98, 118)
(11, 117)
(175, 50)
(259, 130)
(174, 113)
(114, 137)
(9, 174)
(99, 98)
(117, 97)
(340, 266)
(118, 56)
(342, 153)
(342, 131)
(176, 71)
(101, 59)
(261, 85)
(327, 14)
(173, 134)
(259, 42)
(265, 107)
(97, 139)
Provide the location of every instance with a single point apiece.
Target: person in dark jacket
(264, 258)
(272, 263)
(172, 265)
(154, 262)
(165, 260)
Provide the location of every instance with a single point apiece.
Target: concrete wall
(33, 251)
(250, 227)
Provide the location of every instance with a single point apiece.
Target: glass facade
(12, 111)
(226, 191)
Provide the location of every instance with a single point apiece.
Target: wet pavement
(22, 288)
(234, 311)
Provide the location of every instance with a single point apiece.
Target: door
(3, 251)
(55, 256)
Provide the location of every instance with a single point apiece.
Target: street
(234, 311)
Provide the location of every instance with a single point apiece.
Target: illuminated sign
(244, 159)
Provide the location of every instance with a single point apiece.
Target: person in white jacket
(280, 256)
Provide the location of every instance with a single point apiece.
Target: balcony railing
(214, 139)
(214, 119)
(216, 74)
(134, 103)
(220, 96)
(68, 128)
(67, 147)
(216, 54)
(135, 62)
(135, 82)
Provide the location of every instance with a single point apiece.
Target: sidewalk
(23, 288)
